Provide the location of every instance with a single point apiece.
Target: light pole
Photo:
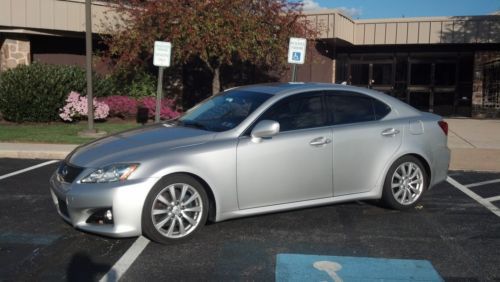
(91, 131)
(88, 63)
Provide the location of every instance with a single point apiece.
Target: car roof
(281, 87)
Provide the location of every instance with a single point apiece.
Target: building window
(445, 74)
(420, 74)
(382, 74)
(360, 74)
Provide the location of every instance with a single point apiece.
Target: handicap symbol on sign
(296, 56)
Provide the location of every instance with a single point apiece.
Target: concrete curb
(35, 151)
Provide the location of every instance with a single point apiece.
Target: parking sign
(297, 50)
(161, 56)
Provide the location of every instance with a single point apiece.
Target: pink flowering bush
(121, 106)
(167, 109)
(76, 108)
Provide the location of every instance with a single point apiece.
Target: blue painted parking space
(297, 267)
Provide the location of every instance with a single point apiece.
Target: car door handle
(390, 132)
(320, 141)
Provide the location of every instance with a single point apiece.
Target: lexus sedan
(252, 150)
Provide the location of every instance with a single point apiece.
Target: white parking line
(124, 263)
(27, 169)
(493, 199)
(482, 183)
(487, 204)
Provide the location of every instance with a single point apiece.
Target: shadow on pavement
(82, 268)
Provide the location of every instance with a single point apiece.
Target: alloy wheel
(407, 183)
(177, 210)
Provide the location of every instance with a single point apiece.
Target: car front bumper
(77, 203)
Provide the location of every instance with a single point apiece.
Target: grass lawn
(56, 132)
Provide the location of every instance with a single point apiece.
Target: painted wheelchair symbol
(330, 268)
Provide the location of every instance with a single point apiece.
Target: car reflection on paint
(253, 150)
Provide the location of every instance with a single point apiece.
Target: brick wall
(481, 106)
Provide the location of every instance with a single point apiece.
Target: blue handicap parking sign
(296, 56)
(296, 267)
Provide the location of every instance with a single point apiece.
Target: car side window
(381, 109)
(298, 111)
(348, 107)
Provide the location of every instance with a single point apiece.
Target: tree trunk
(216, 81)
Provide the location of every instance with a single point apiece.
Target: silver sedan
(253, 150)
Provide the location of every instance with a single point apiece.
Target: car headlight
(110, 173)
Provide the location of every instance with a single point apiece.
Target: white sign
(297, 50)
(161, 57)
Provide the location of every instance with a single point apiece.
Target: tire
(405, 183)
(176, 216)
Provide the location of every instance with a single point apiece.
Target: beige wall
(51, 15)
(429, 30)
(332, 24)
(69, 15)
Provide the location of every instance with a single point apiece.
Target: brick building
(48, 31)
(447, 65)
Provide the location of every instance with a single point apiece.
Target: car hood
(135, 144)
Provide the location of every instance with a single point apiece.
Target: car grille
(63, 208)
(68, 173)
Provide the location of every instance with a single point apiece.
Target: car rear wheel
(175, 209)
(405, 183)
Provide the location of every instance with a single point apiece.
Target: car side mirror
(265, 129)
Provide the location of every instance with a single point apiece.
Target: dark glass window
(297, 112)
(360, 74)
(347, 107)
(445, 74)
(381, 109)
(382, 74)
(420, 74)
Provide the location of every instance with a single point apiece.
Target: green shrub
(142, 85)
(135, 83)
(36, 92)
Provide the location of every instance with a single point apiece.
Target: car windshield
(224, 111)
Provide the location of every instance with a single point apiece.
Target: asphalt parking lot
(456, 228)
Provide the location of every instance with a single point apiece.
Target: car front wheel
(175, 209)
(405, 183)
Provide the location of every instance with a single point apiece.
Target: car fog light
(109, 215)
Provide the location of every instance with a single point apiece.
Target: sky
(368, 9)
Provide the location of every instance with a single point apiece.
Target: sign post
(161, 59)
(296, 53)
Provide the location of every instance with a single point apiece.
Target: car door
(363, 143)
(294, 165)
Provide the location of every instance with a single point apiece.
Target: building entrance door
(433, 82)
(378, 75)
(433, 85)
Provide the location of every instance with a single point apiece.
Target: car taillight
(444, 126)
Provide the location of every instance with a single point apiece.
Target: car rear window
(349, 107)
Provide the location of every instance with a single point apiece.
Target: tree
(217, 32)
